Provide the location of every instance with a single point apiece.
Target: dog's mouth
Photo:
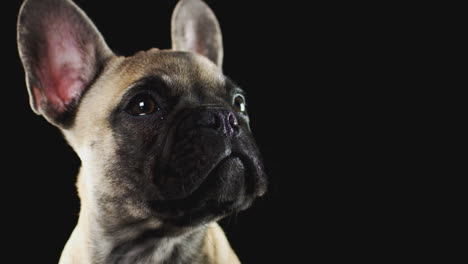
(224, 190)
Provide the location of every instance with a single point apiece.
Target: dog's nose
(219, 119)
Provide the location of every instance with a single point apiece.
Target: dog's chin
(223, 192)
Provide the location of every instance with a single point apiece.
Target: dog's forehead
(181, 70)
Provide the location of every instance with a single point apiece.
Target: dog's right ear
(195, 28)
(62, 53)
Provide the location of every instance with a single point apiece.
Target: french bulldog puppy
(163, 136)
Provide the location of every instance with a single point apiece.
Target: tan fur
(217, 247)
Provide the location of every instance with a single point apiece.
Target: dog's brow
(238, 90)
(153, 81)
(233, 88)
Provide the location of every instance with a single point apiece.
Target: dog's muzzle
(210, 160)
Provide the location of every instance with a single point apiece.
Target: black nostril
(209, 119)
(217, 122)
(232, 120)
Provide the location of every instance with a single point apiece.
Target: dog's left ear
(195, 28)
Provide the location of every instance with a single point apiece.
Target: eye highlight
(142, 104)
(239, 103)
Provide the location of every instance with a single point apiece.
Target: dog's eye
(142, 104)
(239, 103)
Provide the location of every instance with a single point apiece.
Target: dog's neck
(141, 243)
(100, 240)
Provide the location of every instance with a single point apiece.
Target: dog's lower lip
(200, 194)
(230, 156)
(210, 175)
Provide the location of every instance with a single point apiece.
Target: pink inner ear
(62, 69)
(192, 39)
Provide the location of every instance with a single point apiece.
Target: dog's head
(162, 134)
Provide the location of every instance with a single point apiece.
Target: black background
(314, 87)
